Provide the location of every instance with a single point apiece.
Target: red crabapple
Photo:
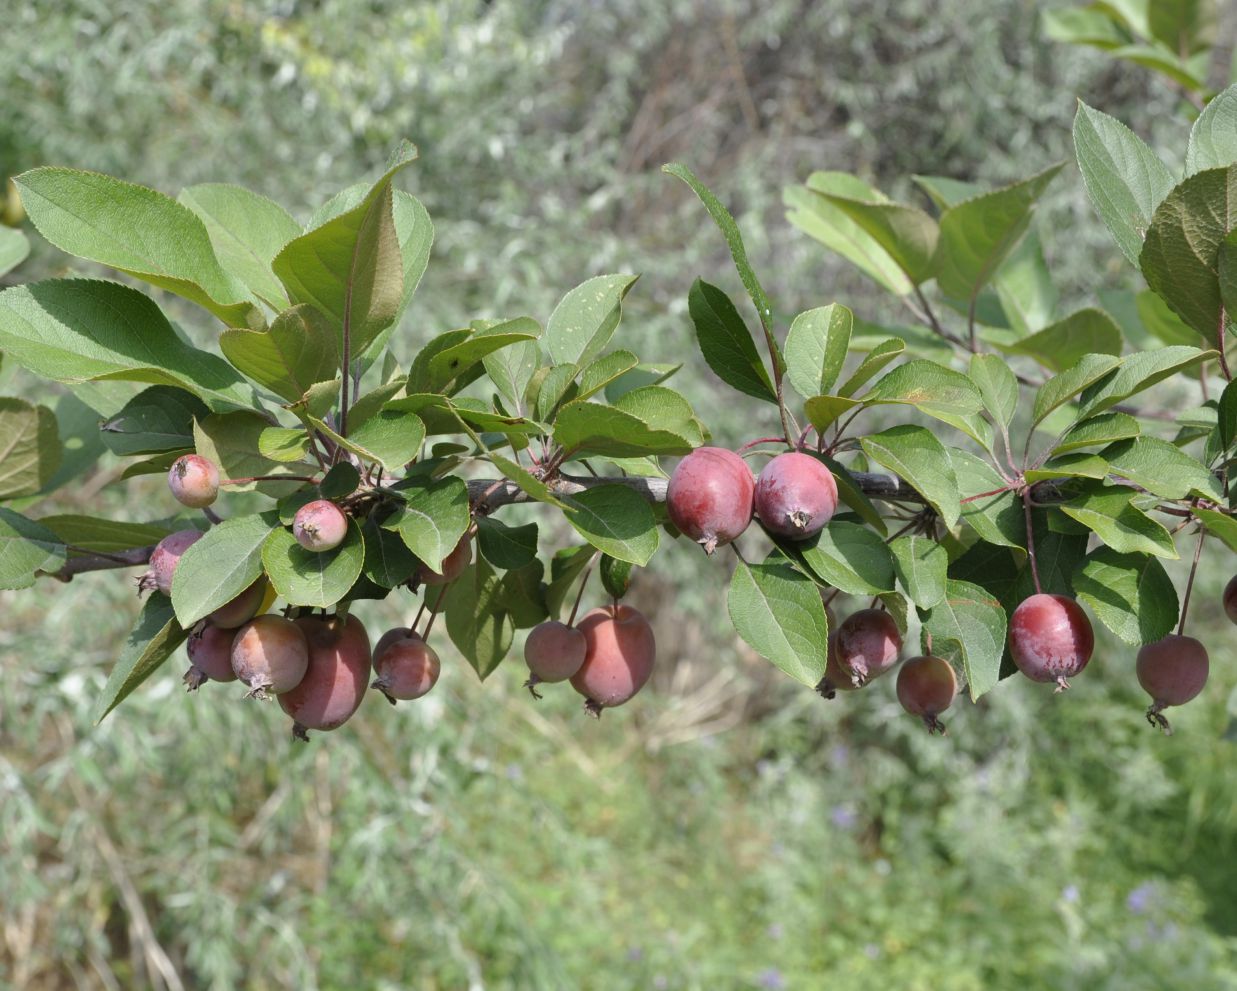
(836, 678)
(210, 656)
(1050, 638)
(709, 496)
(320, 526)
(194, 480)
(795, 495)
(553, 652)
(868, 644)
(453, 565)
(1230, 599)
(926, 687)
(407, 667)
(270, 655)
(337, 676)
(1172, 671)
(241, 609)
(164, 558)
(618, 657)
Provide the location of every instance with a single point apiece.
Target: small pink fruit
(1230, 599)
(1172, 671)
(453, 565)
(837, 678)
(164, 559)
(618, 659)
(337, 676)
(241, 609)
(796, 495)
(709, 497)
(319, 526)
(1050, 638)
(926, 688)
(210, 656)
(407, 667)
(868, 644)
(194, 480)
(553, 652)
(270, 655)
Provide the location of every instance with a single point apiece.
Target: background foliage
(728, 831)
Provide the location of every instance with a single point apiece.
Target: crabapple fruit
(194, 481)
(709, 496)
(795, 495)
(320, 526)
(618, 656)
(164, 559)
(837, 678)
(337, 676)
(553, 652)
(1172, 671)
(241, 609)
(270, 655)
(210, 656)
(1050, 638)
(868, 644)
(1230, 598)
(453, 565)
(407, 667)
(926, 687)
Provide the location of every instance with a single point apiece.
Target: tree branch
(100, 562)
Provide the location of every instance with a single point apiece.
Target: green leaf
(1060, 389)
(1082, 26)
(153, 639)
(29, 447)
(26, 547)
(946, 192)
(283, 444)
(1025, 288)
(1221, 524)
(873, 362)
(219, 565)
(452, 363)
(246, 230)
(1213, 138)
(585, 319)
(391, 439)
(1069, 466)
(156, 419)
(988, 507)
(477, 621)
(968, 629)
(590, 428)
(1180, 257)
(921, 564)
(853, 496)
(615, 520)
(779, 613)
(232, 441)
(137, 231)
(433, 519)
(1102, 429)
(298, 351)
(907, 234)
(1226, 420)
(1062, 345)
(80, 440)
(511, 369)
(553, 388)
(615, 575)
(1119, 524)
(1131, 594)
(978, 233)
(1124, 178)
(566, 566)
(931, 388)
(527, 482)
(305, 578)
(81, 330)
(846, 556)
(14, 248)
(823, 411)
(603, 371)
(816, 348)
(726, 343)
(997, 386)
(91, 535)
(504, 546)
(1162, 469)
(919, 459)
(523, 595)
(388, 561)
(1137, 373)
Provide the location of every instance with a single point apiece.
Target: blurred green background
(727, 829)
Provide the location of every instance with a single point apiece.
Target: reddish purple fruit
(618, 656)
(1172, 671)
(837, 678)
(1230, 598)
(240, 610)
(210, 656)
(868, 644)
(553, 652)
(407, 667)
(194, 480)
(709, 497)
(337, 676)
(795, 495)
(926, 688)
(453, 565)
(164, 558)
(320, 526)
(270, 655)
(1051, 638)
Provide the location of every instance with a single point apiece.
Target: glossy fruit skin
(319, 526)
(1172, 671)
(388, 638)
(407, 667)
(1230, 599)
(210, 656)
(795, 495)
(926, 687)
(453, 565)
(270, 655)
(710, 496)
(240, 610)
(164, 559)
(194, 481)
(1050, 638)
(868, 644)
(836, 678)
(336, 679)
(619, 653)
(553, 652)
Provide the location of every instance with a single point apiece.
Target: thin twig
(1026, 509)
(1189, 585)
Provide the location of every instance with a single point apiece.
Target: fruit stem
(268, 478)
(571, 620)
(763, 440)
(429, 625)
(1026, 509)
(1189, 585)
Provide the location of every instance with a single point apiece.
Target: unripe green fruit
(709, 496)
(407, 667)
(270, 655)
(453, 565)
(553, 652)
(926, 688)
(164, 559)
(795, 495)
(1050, 638)
(618, 658)
(194, 480)
(210, 656)
(1172, 671)
(336, 678)
(319, 526)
